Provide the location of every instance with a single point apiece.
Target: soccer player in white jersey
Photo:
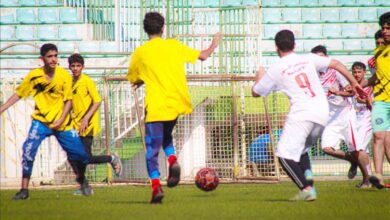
(297, 77)
(363, 115)
(342, 124)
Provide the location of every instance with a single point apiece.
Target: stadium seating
(291, 15)
(346, 2)
(23, 48)
(382, 11)
(66, 46)
(311, 15)
(309, 2)
(248, 2)
(349, 30)
(47, 15)
(330, 14)
(68, 33)
(232, 3)
(7, 18)
(352, 44)
(348, 14)
(270, 31)
(69, 15)
(272, 15)
(365, 2)
(47, 33)
(48, 2)
(312, 30)
(108, 47)
(289, 2)
(90, 46)
(368, 44)
(8, 3)
(7, 32)
(27, 2)
(25, 15)
(24, 33)
(270, 2)
(327, 2)
(367, 14)
(331, 30)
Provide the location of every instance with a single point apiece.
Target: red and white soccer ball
(207, 179)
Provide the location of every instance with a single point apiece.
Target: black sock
(295, 172)
(100, 159)
(304, 163)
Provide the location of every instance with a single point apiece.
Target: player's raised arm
(12, 100)
(204, 54)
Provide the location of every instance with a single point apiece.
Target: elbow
(254, 94)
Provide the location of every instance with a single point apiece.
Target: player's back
(297, 76)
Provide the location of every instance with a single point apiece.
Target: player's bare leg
(365, 168)
(344, 156)
(378, 149)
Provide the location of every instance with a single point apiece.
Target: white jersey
(297, 76)
(361, 108)
(333, 79)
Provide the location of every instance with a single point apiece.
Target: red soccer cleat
(157, 195)
(173, 172)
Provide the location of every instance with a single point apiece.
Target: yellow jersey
(159, 64)
(49, 96)
(382, 85)
(85, 95)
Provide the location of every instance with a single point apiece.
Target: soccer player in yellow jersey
(380, 117)
(85, 114)
(159, 64)
(51, 88)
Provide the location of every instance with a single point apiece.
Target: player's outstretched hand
(216, 39)
(357, 89)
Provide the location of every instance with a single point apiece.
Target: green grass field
(337, 200)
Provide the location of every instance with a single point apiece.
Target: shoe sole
(157, 199)
(375, 181)
(119, 173)
(174, 178)
(352, 174)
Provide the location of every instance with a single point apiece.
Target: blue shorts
(380, 116)
(69, 141)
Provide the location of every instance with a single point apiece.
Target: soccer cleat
(352, 171)
(21, 195)
(116, 164)
(173, 175)
(305, 196)
(364, 185)
(387, 185)
(377, 181)
(86, 189)
(157, 195)
(78, 192)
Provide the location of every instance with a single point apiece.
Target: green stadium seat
(25, 15)
(327, 2)
(47, 15)
(289, 2)
(312, 30)
(270, 2)
(330, 14)
(27, 2)
(272, 15)
(248, 2)
(47, 33)
(108, 47)
(382, 2)
(291, 14)
(7, 18)
(348, 14)
(381, 11)
(309, 2)
(331, 30)
(23, 48)
(69, 15)
(211, 3)
(66, 46)
(367, 14)
(270, 31)
(232, 3)
(365, 2)
(346, 2)
(68, 33)
(308, 45)
(89, 46)
(24, 33)
(368, 44)
(49, 2)
(352, 44)
(7, 32)
(311, 14)
(349, 30)
(8, 3)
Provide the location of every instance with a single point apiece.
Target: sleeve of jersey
(188, 54)
(343, 81)
(321, 63)
(264, 86)
(68, 88)
(25, 87)
(133, 71)
(93, 92)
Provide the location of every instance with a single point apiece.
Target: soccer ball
(207, 179)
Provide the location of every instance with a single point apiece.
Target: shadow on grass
(130, 202)
(279, 200)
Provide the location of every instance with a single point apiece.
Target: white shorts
(341, 127)
(297, 137)
(364, 129)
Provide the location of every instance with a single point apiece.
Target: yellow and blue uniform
(380, 117)
(85, 95)
(159, 64)
(49, 97)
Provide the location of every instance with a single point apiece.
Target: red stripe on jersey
(371, 63)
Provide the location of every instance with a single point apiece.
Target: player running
(297, 77)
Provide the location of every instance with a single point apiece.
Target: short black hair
(378, 34)
(153, 22)
(384, 19)
(320, 49)
(359, 65)
(285, 40)
(75, 58)
(46, 48)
